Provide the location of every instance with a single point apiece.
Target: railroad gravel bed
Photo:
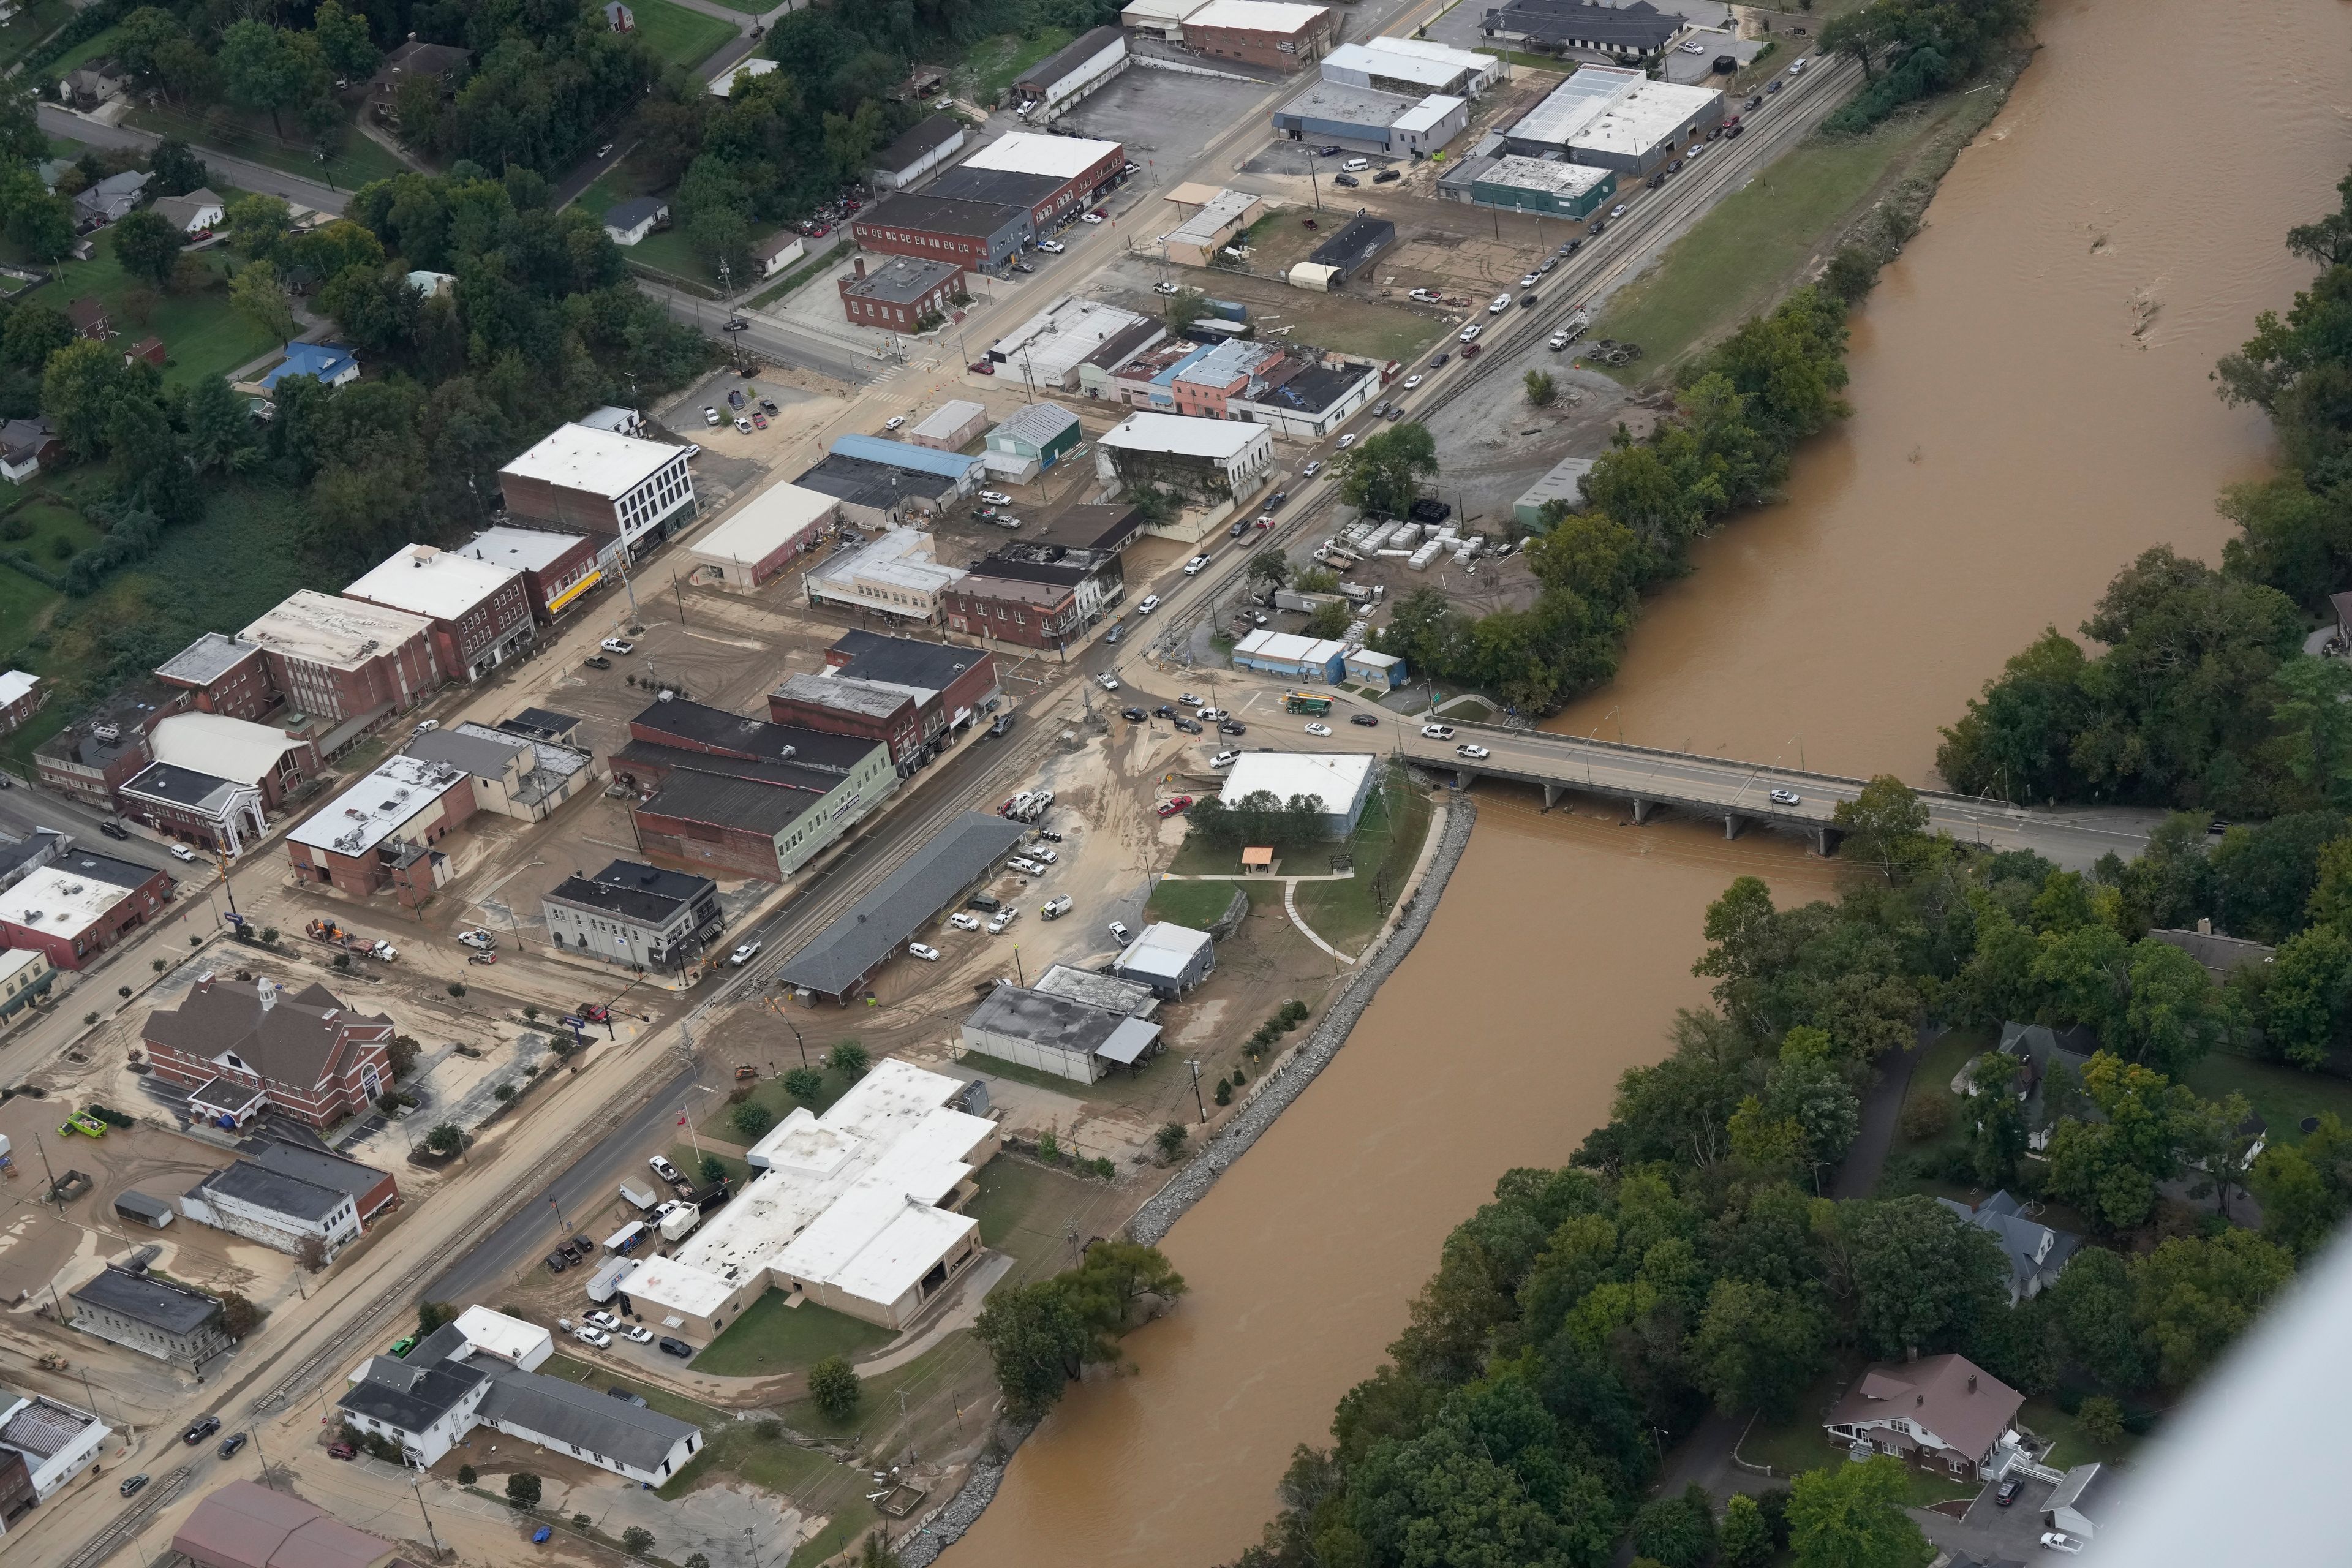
(921, 1546)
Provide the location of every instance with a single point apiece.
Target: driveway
(1990, 1532)
(1882, 1103)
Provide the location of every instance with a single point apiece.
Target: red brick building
(950, 683)
(21, 697)
(357, 665)
(79, 905)
(224, 675)
(843, 706)
(1271, 32)
(240, 1048)
(1034, 615)
(377, 836)
(899, 292)
(558, 570)
(97, 755)
(480, 611)
(973, 233)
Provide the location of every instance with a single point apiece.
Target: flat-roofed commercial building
(635, 915)
(226, 675)
(1042, 196)
(1171, 959)
(379, 833)
(1311, 403)
(983, 236)
(880, 494)
(56, 1441)
(1369, 120)
(1609, 117)
(1342, 780)
(951, 685)
(896, 574)
(243, 1524)
(1210, 225)
(481, 610)
(154, 1317)
(1269, 33)
(1632, 33)
(900, 294)
(353, 664)
(1517, 183)
(1046, 350)
(951, 427)
(1002, 609)
(1214, 465)
(917, 151)
(766, 534)
(26, 976)
(840, 705)
(857, 1209)
(79, 905)
(1060, 1034)
(1162, 20)
(514, 775)
(557, 569)
(93, 757)
(279, 1211)
(1414, 66)
(1070, 73)
(1291, 655)
(1082, 165)
(631, 494)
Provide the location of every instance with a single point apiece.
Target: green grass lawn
(202, 335)
(799, 274)
(689, 37)
(2283, 1095)
(1195, 904)
(29, 26)
(2071, 1444)
(352, 161)
(81, 54)
(1023, 1208)
(1387, 840)
(994, 62)
(685, 1158)
(1932, 1080)
(773, 1337)
(1735, 260)
(769, 1091)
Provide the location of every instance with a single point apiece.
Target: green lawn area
(996, 62)
(29, 26)
(2283, 1095)
(794, 278)
(38, 526)
(1024, 1208)
(1932, 1080)
(773, 1337)
(352, 161)
(202, 335)
(769, 1091)
(1195, 904)
(81, 54)
(689, 37)
(1387, 840)
(2071, 1446)
(684, 1156)
(1735, 260)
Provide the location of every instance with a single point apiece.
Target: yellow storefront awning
(574, 591)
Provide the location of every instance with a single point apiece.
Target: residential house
(148, 349)
(2217, 953)
(22, 695)
(88, 317)
(24, 446)
(778, 251)
(154, 1317)
(331, 365)
(442, 63)
(619, 17)
(241, 1048)
(628, 222)
(2041, 1049)
(94, 83)
(635, 914)
(195, 214)
(749, 69)
(111, 200)
(1941, 1412)
(2037, 1253)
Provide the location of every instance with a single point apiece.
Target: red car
(596, 1012)
(342, 1450)
(1171, 807)
(1473, 350)
(984, 367)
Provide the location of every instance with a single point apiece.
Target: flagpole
(691, 1136)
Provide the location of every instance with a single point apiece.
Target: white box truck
(637, 1196)
(680, 1222)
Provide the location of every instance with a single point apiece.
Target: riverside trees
(1043, 1335)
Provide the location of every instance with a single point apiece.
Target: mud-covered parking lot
(1165, 119)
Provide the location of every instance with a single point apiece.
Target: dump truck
(335, 936)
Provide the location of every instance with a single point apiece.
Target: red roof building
(240, 1048)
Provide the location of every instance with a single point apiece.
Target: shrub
(769, 1430)
(90, 1017)
(504, 1093)
(270, 936)
(835, 1389)
(752, 1119)
(530, 1012)
(1049, 1148)
(1171, 1139)
(456, 988)
(2103, 1420)
(466, 1477)
(849, 1058)
(1225, 1091)
(713, 1169)
(159, 966)
(636, 1541)
(522, 1490)
(1925, 1116)
(1104, 1169)
(581, 1521)
(445, 1139)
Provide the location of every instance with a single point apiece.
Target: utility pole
(263, 1456)
(1195, 1066)
(415, 1484)
(559, 1223)
(52, 1175)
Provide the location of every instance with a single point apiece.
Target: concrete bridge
(1740, 794)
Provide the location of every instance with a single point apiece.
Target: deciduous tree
(1852, 1516)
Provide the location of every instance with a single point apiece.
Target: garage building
(1070, 74)
(1514, 183)
(1367, 119)
(1610, 118)
(1059, 1035)
(916, 154)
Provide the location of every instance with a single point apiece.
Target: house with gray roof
(635, 915)
(2037, 1253)
(154, 1317)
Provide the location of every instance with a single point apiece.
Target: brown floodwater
(2032, 408)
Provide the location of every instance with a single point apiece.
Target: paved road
(239, 172)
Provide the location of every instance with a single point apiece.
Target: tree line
(1911, 49)
(2199, 694)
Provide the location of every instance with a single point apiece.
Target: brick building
(356, 665)
(847, 706)
(79, 905)
(97, 755)
(480, 611)
(240, 1048)
(21, 697)
(1084, 166)
(1280, 36)
(951, 685)
(378, 833)
(224, 674)
(196, 808)
(980, 235)
(899, 293)
(264, 757)
(630, 494)
(1034, 615)
(558, 570)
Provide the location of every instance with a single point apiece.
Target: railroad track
(126, 1525)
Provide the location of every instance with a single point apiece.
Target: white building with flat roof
(1034, 153)
(510, 1339)
(1342, 780)
(1410, 66)
(629, 492)
(723, 84)
(1612, 118)
(855, 1208)
(766, 534)
(1171, 959)
(896, 573)
(1215, 464)
(1163, 19)
(1046, 350)
(380, 804)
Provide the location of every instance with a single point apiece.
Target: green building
(1540, 185)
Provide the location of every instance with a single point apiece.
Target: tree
(261, 69)
(2308, 1000)
(1851, 1516)
(239, 1316)
(1805, 1085)
(1747, 1538)
(431, 1315)
(1270, 567)
(2093, 1300)
(636, 1541)
(1542, 392)
(1677, 1531)
(847, 1058)
(1884, 826)
(220, 440)
(2103, 1420)
(2000, 1136)
(1922, 1277)
(445, 1139)
(834, 1387)
(1756, 1347)
(257, 223)
(343, 40)
(1185, 307)
(804, 1084)
(712, 1170)
(752, 1119)
(523, 1489)
(312, 1253)
(148, 244)
(1381, 474)
(83, 390)
(2193, 1298)
(1171, 1139)
(33, 334)
(2176, 1015)
(177, 170)
(2306, 1189)
(256, 294)
(41, 223)
(1038, 1342)
(2111, 1168)
(876, 1552)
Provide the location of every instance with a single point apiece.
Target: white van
(1357, 165)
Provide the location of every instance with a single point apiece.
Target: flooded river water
(2032, 407)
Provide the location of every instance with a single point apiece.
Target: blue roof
(903, 455)
(325, 361)
(1168, 377)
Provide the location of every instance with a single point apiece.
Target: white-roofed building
(481, 610)
(512, 1341)
(855, 1208)
(338, 658)
(1171, 959)
(630, 493)
(21, 697)
(1034, 153)
(723, 84)
(896, 573)
(1411, 66)
(557, 569)
(256, 755)
(1271, 32)
(1046, 350)
(951, 427)
(379, 832)
(1077, 166)
(1211, 226)
(1215, 464)
(766, 534)
(79, 905)
(1611, 117)
(1161, 19)
(57, 1440)
(1342, 780)
(1291, 655)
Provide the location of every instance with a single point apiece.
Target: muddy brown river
(2032, 408)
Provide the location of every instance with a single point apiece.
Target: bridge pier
(1462, 778)
(1551, 795)
(1826, 840)
(1733, 825)
(1641, 809)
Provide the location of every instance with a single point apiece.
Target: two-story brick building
(558, 570)
(378, 834)
(93, 757)
(481, 610)
(627, 493)
(899, 294)
(21, 695)
(838, 706)
(224, 675)
(951, 685)
(239, 1047)
(353, 664)
(79, 905)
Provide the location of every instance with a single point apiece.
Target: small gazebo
(1257, 861)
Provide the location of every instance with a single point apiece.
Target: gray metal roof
(174, 1308)
(568, 1413)
(851, 948)
(1037, 423)
(843, 694)
(639, 906)
(316, 1166)
(410, 1395)
(184, 787)
(927, 137)
(1055, 1022)
(145, 1206)
(273, 1190)
(1101, 990)
(479, 753)
(904, 661)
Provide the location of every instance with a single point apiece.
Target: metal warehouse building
(1369, 120)
(1060, 79)
(1609, 117)
(954, 861)
(1410, 66)
(1530, 184)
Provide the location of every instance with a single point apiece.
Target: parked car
(596, 1337)
(1090, 217)
(665, 1170)
(962, 921)
(677, 1348)
(742, 424)
(625, 1397)
(1385, 176)
(557, 1263)
(230, 1445)
(1132, 715)
(1052, 246)
(182, 852)
(1150, 603)
(1118, 931)
(982, 367)
(996, 497)
(1348, 180)
(1332, 152)
(1437, 731)
(744, 954)
(617, 645)
(1475, 753)
(2051, 1539)
(638, 1334)
(1357, 165)
(923, 950)
(1500, 303)
(1005, 918)
(1366, 719)
(199, 1429)
(1224, 760)
(133, 1485)
(988, 901)
(1171, 807)
(709, 415)
(604, 1320)
(114, 830)
(477, 939)
(1232, 726)
(1026, 866)
(2007, 1493)
(597, 661)
(1786, 797)
(1188, 726)
(1348, 441)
